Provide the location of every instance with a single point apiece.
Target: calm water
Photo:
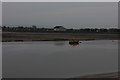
(58, 59)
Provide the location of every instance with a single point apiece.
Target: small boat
(73, 41)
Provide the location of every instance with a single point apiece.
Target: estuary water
(59, 59)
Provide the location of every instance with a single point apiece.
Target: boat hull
(73, 42)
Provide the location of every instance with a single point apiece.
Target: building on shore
(59, 28)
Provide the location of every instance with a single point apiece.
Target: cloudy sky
(69, 15)
(0, 13)
(60, 0)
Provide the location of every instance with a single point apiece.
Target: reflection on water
(74, 44)
(59, 43)
(58, 59)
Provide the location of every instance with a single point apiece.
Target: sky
(60, 0)
(69, 15)
(0, 42)
(0, 13)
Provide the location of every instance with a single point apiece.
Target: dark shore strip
(27, 36)
(44, 40)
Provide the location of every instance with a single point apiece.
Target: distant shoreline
(32, 36)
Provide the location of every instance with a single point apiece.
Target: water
(58, 59)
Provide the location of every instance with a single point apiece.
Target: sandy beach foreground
(105, 75)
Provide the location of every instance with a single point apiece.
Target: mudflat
(33, 36)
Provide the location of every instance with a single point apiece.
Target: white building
(59, 28)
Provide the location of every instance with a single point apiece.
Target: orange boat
(73, 41)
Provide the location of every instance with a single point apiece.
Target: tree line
(51, 30)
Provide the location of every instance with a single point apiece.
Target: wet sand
(104, 75)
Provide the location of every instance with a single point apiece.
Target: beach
(104, 75)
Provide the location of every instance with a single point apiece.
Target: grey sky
(0, 13)
(70, 15)
(60, 0)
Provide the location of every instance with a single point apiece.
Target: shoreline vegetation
(57, 33)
